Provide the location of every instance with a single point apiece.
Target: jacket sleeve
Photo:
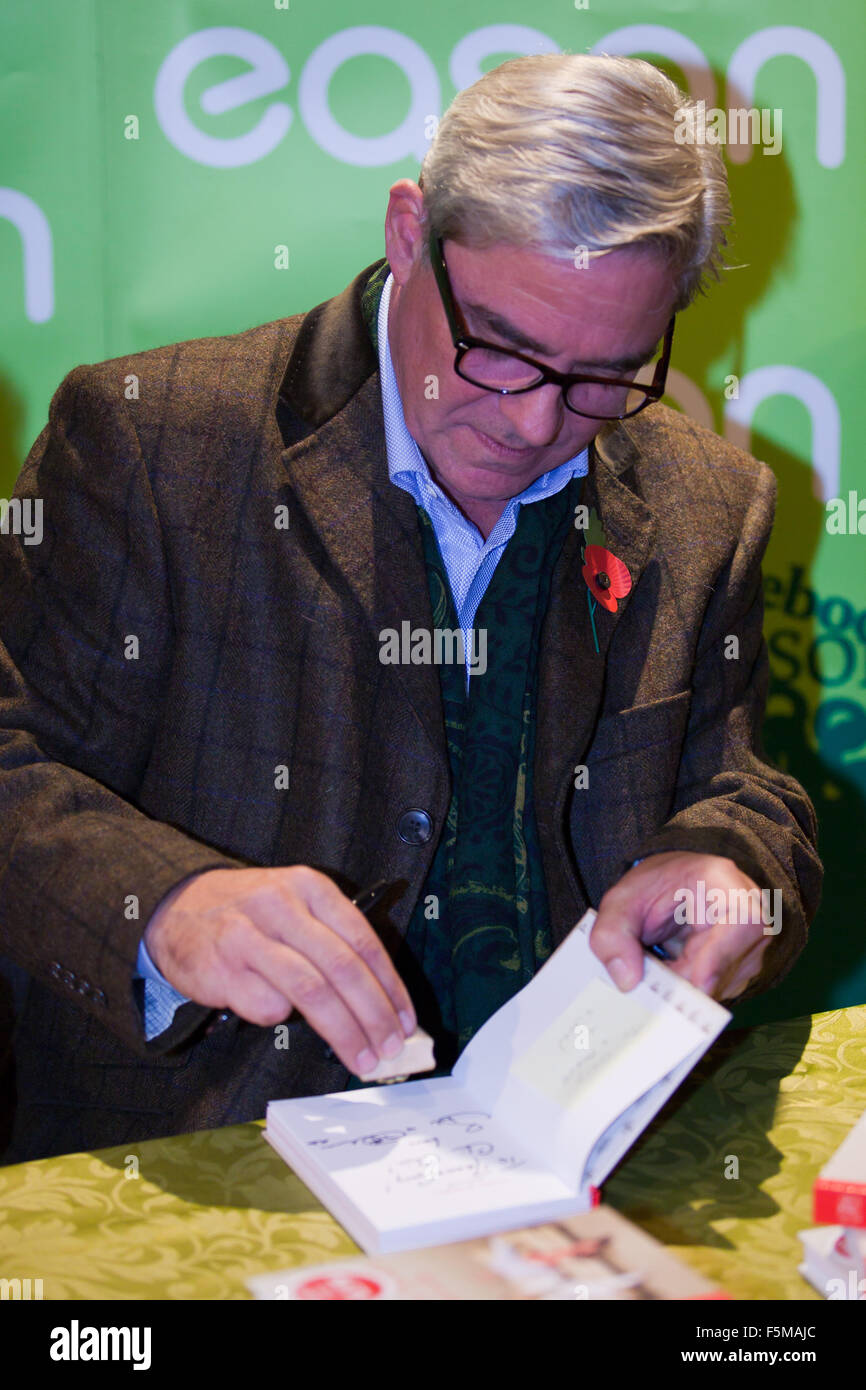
(86, 640)
(729, 799)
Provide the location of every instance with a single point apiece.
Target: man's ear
(404, 229)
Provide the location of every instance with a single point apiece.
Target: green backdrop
(174, 170)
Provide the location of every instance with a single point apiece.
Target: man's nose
(535, 417)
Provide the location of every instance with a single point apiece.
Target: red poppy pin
(607, 578)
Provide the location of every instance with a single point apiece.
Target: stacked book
(834, 1253)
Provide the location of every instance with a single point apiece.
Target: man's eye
(608, 374)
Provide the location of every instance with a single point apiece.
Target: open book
(541, 1105)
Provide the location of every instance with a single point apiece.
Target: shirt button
(415, 827)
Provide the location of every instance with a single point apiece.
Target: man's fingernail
(621, 974)
(408, 1025)
(367, 1062)
(392, 1045)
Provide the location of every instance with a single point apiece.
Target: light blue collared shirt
(469, 561)
(161, 1000)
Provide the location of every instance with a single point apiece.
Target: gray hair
(561, 151)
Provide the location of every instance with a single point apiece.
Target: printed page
(564, 1059)
(413, 1154)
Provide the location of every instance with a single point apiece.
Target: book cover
(596, 1256)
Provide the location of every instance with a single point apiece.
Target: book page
(412, 1153)
(619, 1136)
(563, 1059)
(591, 1036)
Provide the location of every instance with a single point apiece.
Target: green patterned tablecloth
(193, 1216)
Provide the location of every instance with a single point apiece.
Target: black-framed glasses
(511, 373)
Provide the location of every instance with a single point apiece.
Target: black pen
(367, 898)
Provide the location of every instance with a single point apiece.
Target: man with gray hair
(233, 690)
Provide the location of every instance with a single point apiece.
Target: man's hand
(264, 941)
(721, 957)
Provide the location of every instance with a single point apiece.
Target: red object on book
(839, 1203)
(839, 1193)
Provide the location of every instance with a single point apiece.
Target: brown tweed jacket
(257, 648)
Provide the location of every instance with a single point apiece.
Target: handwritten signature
(470, 1121)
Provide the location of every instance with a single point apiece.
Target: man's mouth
(502, 450)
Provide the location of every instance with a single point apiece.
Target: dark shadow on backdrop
(11, 422)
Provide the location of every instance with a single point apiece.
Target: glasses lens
(612, 401)
(487, 367)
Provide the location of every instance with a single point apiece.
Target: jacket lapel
(571, 678)
(329, 410)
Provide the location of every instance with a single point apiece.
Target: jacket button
(415, 827)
